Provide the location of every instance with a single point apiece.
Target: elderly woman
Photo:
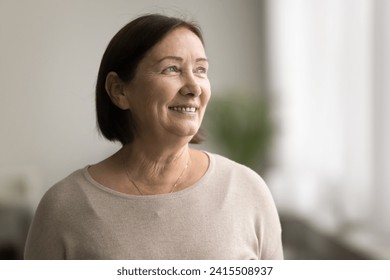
(156, 198)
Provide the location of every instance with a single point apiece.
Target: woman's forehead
(178, 43)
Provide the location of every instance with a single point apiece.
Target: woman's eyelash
(175, 69)
(171, 69)
(201, 70)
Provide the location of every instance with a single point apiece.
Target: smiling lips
(184, 109)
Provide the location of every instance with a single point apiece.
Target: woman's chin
(185, 134)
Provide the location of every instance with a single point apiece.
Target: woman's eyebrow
(170, 57)
(202, 59)
(180, 59)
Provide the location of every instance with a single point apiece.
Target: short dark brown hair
(123, 54)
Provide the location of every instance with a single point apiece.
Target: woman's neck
(154, 169)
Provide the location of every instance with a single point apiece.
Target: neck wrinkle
(153, 170)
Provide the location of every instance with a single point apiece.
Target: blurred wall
(50, 53)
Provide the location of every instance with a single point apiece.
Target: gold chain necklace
(173, 186)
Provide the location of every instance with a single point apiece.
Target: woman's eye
(171, 69)
(201, 70)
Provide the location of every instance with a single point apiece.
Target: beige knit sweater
(228, 214)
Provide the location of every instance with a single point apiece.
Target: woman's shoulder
(243, 184)
(225, 165)
(239, 178)
(65, 192)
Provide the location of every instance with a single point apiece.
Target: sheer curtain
(326, 62)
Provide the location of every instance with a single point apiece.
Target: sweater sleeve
(269, 229)
(44, 241)
(271, 246)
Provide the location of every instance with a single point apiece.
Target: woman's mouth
(184, 109)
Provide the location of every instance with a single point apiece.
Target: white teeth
(184, 109)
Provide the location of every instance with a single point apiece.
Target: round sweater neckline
(173, 195)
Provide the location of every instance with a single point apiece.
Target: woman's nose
(190, 86)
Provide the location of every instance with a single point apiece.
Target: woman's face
(170, 90)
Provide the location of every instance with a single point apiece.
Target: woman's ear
(115, 90)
